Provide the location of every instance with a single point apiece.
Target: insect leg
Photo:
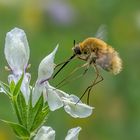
(88, 89)
(96, 81)
(63, 82)
(60, 64)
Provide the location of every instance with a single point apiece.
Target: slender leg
(63, 82)
(89, 91)
(96, 81)
(89, 88)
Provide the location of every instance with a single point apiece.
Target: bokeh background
(48, 22)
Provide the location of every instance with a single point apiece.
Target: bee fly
(95, 52)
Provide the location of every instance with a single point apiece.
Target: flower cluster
(27, 98)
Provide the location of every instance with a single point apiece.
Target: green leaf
(18, 85)
(23, 108)
(19, 130)
(5, 87)
(39, 119)
(34, 111)
(15, 105)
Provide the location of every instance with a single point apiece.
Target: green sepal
(12, 87)
(19, 130)
(18, 85)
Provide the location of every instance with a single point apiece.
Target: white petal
(25, 86)
(73, 133)
(59, 92)
(76, 109)
(54, 97)
(46, 67)
(17, 50)
(54, 101)
(37, 91)
(45, 133)
(50, 95)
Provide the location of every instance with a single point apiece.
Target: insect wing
(102, 32)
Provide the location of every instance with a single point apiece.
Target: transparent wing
(102, 32)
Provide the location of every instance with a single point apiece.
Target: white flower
(57, 98)
(73, 133)
(17, 55)
(45, 71)
(45, 133)
(17, 50)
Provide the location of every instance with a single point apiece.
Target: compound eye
(77, 50)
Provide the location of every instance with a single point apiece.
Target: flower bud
(45, 133)
(17, 50)
(73, 133)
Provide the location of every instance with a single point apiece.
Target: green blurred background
(48, 22)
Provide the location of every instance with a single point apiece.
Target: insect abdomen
(116, 65)
(110, 62)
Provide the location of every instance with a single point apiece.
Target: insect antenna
(74, 42)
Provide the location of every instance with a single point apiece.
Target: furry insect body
(103, 54)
